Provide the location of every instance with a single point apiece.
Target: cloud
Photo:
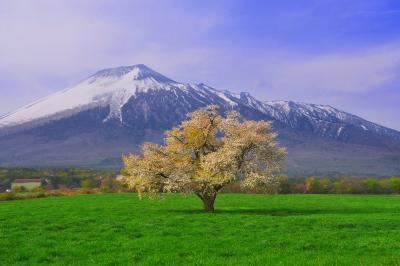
(44, 40)
(52, 37)
(267, 50)
(353, 71)
(47, 45)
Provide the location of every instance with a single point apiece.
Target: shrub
(394, 184)
(284, 185)
(349, 185)
(106, 190)
(385, 186)
(300, 188)
(7, 196)
(325, 185)
(19, 189)
(38, 189)
(86, 183)
(41, 194)
(371, 186)
(233, 188)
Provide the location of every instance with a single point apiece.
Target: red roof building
(27, 184)
(34, 180)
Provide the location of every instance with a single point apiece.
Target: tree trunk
(208, 202)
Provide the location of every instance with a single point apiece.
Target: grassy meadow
(120, 229)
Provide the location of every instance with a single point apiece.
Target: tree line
(327, 185)
(89, 178)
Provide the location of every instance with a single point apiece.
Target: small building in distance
(28, 184)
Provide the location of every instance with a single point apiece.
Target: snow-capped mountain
(323, 120)
(109, 87)
(115, 110)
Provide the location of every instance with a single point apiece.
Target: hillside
(115, 110)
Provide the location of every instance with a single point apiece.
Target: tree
(204, 153)
(325, 185)
(349, 185)
(312, 185)
(371, 186)
(394, 184)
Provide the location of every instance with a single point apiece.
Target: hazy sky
(343, 53)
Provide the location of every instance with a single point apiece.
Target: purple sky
(342, 53)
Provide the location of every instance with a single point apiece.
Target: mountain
(115, 110)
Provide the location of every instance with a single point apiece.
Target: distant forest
(78, 177)
(330, 185)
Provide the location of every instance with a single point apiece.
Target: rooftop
(27, 180)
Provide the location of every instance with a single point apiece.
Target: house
(28, 184)
(120, 178)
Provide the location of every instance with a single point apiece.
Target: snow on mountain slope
(108, 88)
(111, 87)
(115, 87)
(323, 117)
(115, 110)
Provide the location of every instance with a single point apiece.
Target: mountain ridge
(134, 103)
(141, 72)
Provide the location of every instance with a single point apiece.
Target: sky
(344, 53)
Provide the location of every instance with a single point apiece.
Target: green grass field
(119, 229)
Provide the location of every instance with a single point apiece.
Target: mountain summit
(136, 72)
(115, 110)
(111, 87)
